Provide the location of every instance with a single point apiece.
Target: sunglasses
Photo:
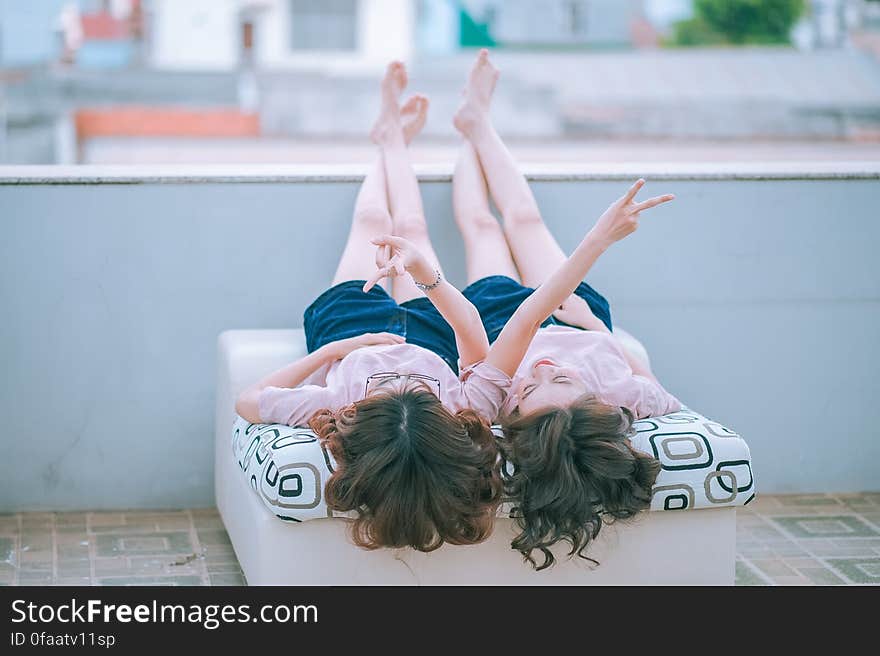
(383, 377)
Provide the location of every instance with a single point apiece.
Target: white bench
(694, 546)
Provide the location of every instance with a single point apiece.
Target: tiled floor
(826, 539)
(781, 540)
(185, 547)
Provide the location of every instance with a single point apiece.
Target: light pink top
(600, 360)
(481, 387)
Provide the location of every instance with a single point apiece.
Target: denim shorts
(498, 297)
(345, 310)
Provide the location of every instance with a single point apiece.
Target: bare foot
(389, 115)
(413, 115)
(477, 95)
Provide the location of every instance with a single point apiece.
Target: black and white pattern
(703, 465)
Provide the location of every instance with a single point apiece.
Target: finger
(380, 273)
(383, 256)
(396, 264)
(634, 190)
(653, 202)
(390, 240)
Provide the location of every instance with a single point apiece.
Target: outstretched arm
(397, 256)
(619, 220)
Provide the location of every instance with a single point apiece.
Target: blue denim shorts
(345, 310)
(498, 297)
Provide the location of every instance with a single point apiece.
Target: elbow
(474, 318)
(239, 408)
(246, 407)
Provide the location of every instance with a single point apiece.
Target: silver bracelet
(427, 288)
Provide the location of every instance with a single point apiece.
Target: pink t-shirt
(480, 387)
(601, 361)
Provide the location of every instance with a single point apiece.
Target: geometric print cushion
(703, 465)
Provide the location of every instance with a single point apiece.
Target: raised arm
(247, 405)
(619, 220)
(398, 256)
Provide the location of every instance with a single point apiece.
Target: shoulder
(482, 370)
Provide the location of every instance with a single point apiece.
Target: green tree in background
(739, 22)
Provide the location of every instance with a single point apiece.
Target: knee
(374, 218)
(411, 226)
(523, 214)
(480, 224)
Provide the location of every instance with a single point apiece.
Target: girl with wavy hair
(567, 419)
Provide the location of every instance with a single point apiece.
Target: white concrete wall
(195, 35)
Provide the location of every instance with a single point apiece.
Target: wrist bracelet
(427, 288)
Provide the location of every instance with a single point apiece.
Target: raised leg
(371, 219)
(371, 216)
(535, 251)
(405, 201)
(486, 250)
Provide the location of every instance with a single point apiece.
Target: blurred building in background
(167, 81)
(321, 35)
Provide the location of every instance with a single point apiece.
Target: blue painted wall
(759, 302)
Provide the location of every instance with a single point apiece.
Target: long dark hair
(416, 474)
(574, 468)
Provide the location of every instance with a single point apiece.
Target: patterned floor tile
(223, 568)
(36, 556)
(151, 580)
(96, 519)
(207, 522)
(227, 579)
(9, 525)
(821, 576)
(73, 580)
(211, 537)
(7, 573)
(858, 570)
(871, 518)
(171, 542)
(786, 550)
(764, 533)
(7, 549)
(792, 580)
(773, 568)
(35, 540)
(807, 500)
(825, 527)
(67, 569)
(800, 563)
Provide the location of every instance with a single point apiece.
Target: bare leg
(535, 250)
(371, 219)
(408, 215)
(486, 250)
(371, 215)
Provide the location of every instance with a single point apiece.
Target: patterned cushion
(704, 465)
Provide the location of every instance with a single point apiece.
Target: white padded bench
(286, 536)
